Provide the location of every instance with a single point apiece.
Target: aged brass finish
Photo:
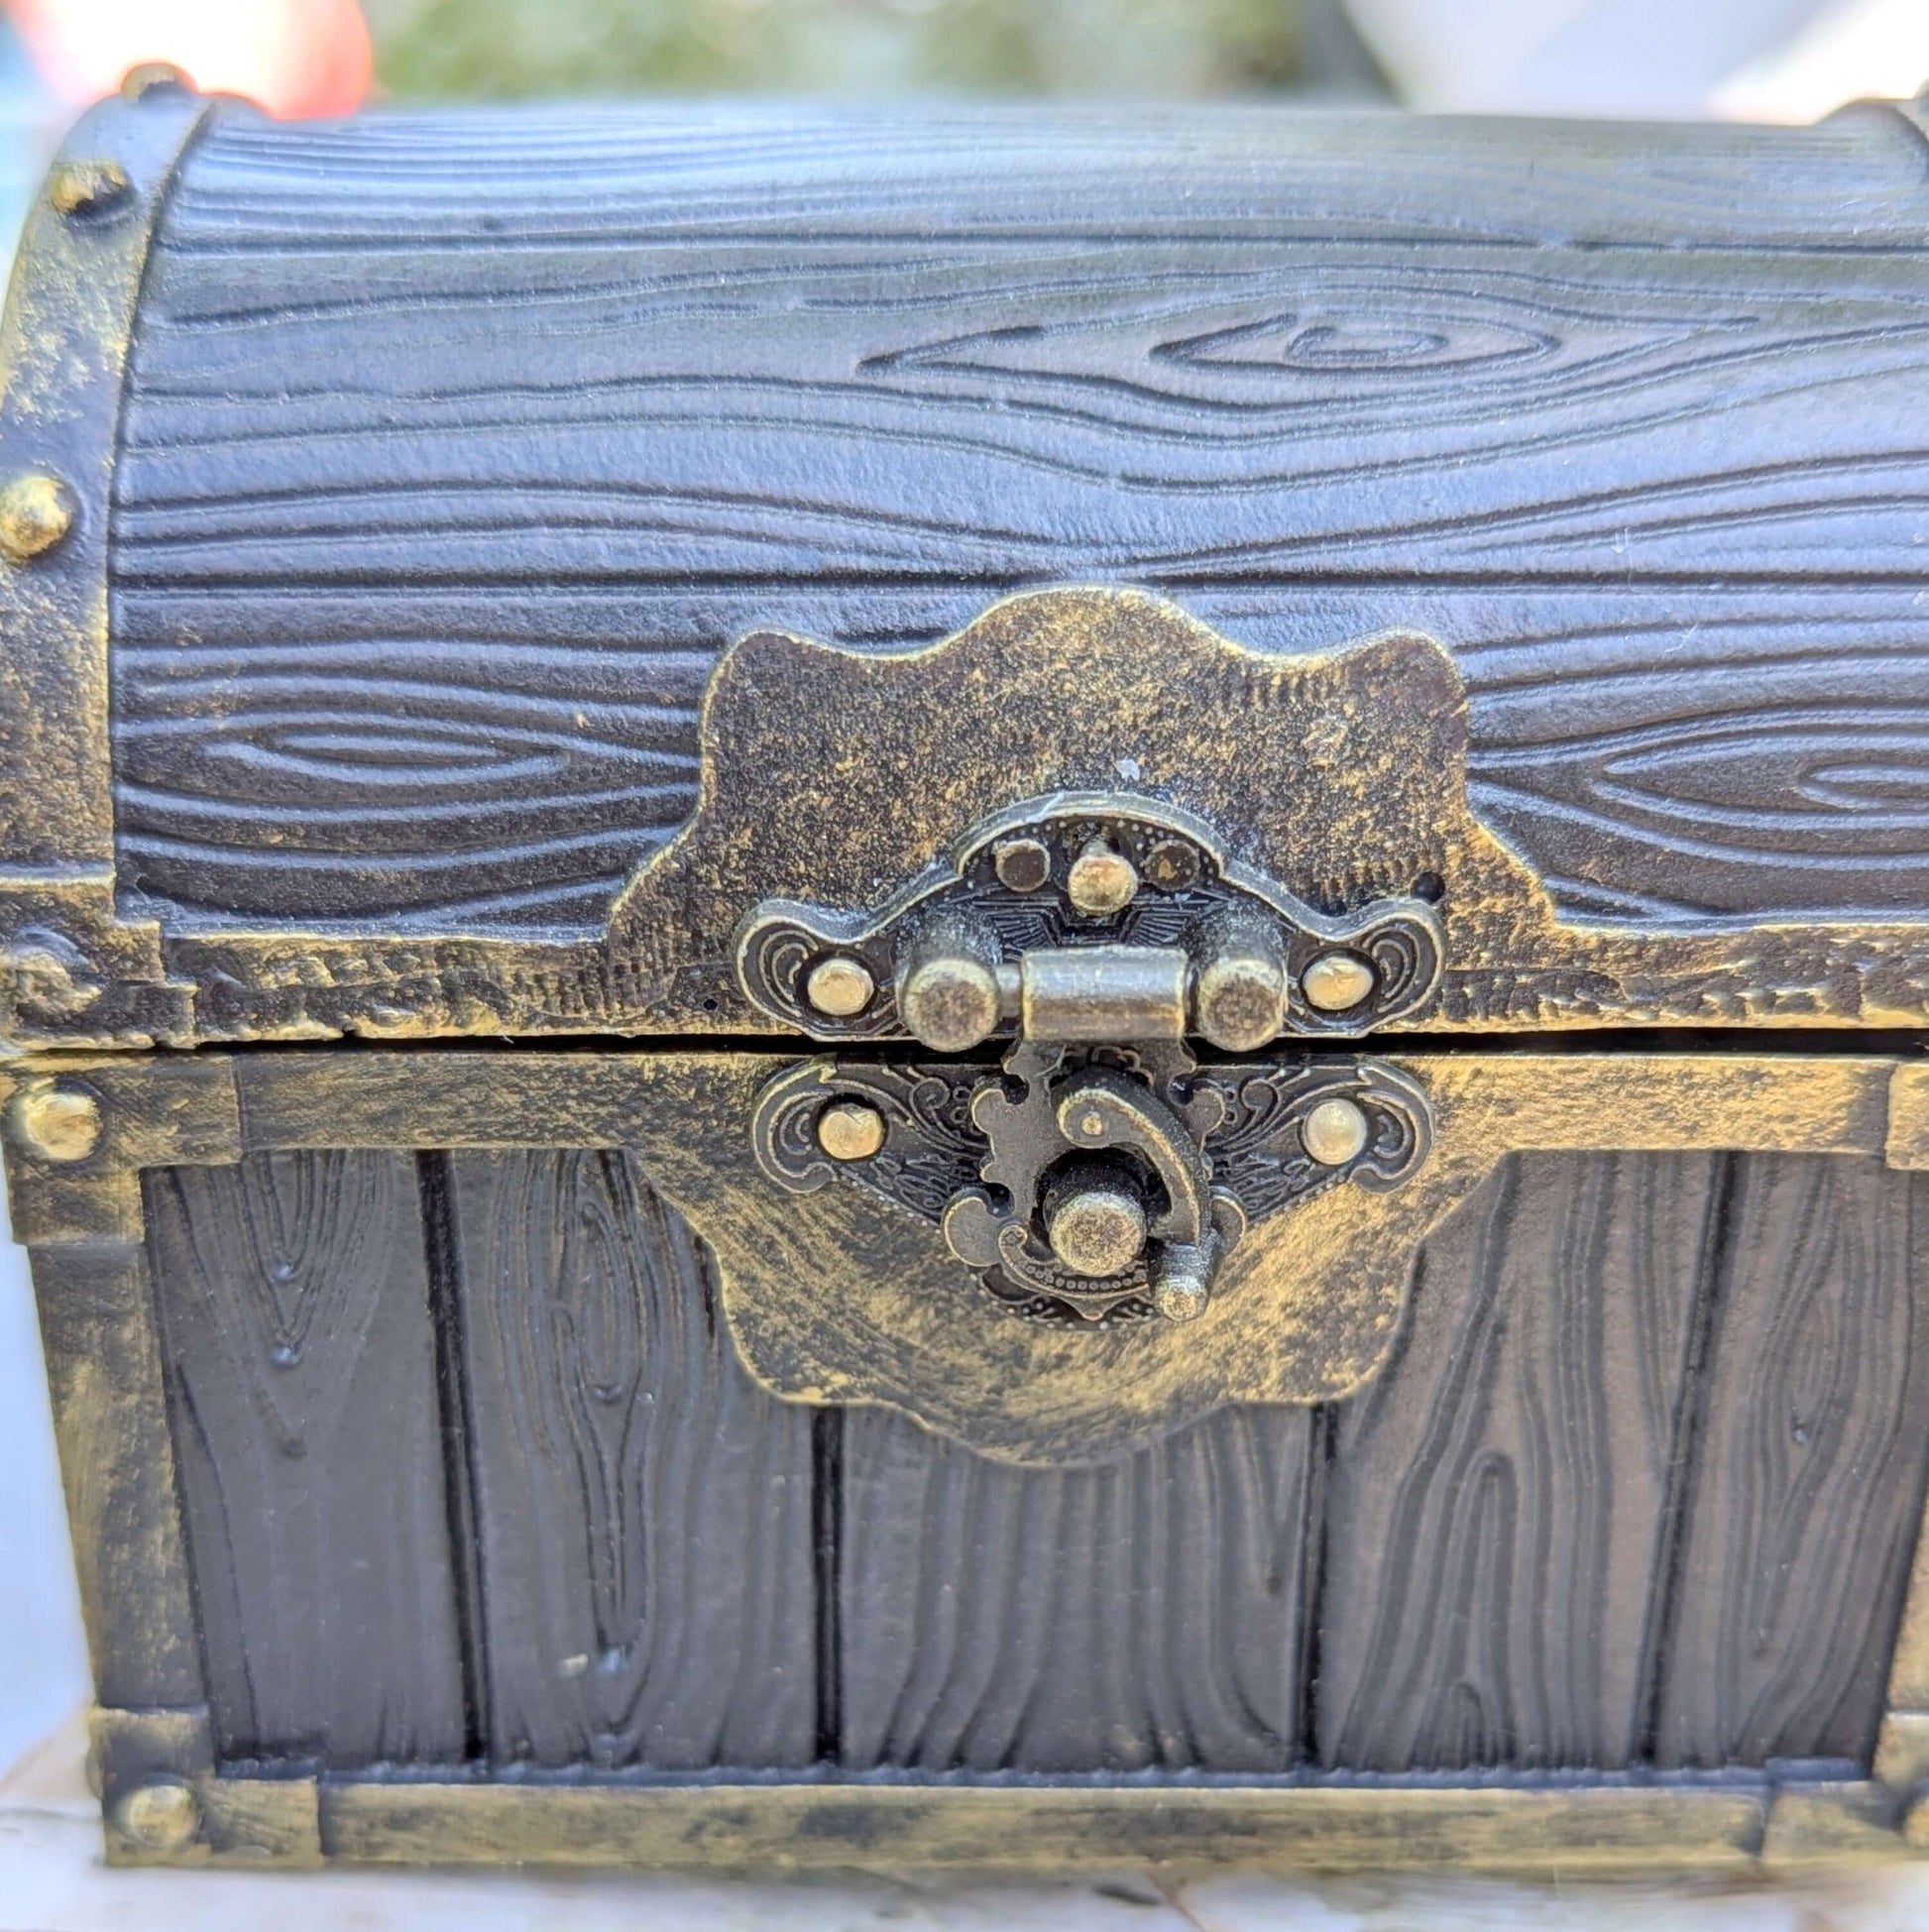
(990, 1158)
(1023, 864)
(950, 1001)
(1103, 979)
(1335, 1132)
(849, 1130)
(162, 1816)
(964, 953)
(72, 966)
(1240, 995)
(839, 989)
(1101, 881)
(1044, 1125)
(1094, 1221)
(1335, 982)
(36, 513)
(82, 186)
(55, 1120)
(1103, 993)
(153, 78)
(1172, 864)
(1034, 1825)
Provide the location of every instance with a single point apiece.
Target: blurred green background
(506, 48)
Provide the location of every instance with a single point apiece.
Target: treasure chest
(979, 985)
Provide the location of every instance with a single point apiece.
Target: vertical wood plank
(644, 1509)
(1499, 1500)
(1813, 1443)
(294, 1315)
(1143, 1614)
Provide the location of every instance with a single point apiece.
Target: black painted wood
(644, 1510)
(296, 1326)
(1497, 1513)
(1811, 1455)
(1147, 1614)
(1641, 1485)
(457, 447)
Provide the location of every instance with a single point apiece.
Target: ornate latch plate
(1101, 1173)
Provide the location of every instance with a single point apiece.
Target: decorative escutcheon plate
(949, 1128)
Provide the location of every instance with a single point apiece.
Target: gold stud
(850, 1130)
(1022, 864)
(951, 1002)
(1099, 1229)
(1239, 1001)
(86, 187)
(839, 989)
(36, 513)
(1183, 1288)
(56, 1122)
(1173, 864)
(1335, 982)
(160, 1815)
(1101, 881)
(1335, 1132)
(153, 78)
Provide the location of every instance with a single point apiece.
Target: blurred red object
(295, 58)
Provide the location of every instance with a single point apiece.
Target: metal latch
(1100, 1171)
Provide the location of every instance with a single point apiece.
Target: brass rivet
(160, 1815)
(1172, 864)
(1098, 1230)
(1336, 981)
(951, 1003)
(1101, 881)
(153, 78)
(849, 1130)
(1335, 1132)
(839, 988)
(1240, 1000)
(36, 513)
(86, 187)
(1023, 864)
(56, 1122)
(1182, 1300)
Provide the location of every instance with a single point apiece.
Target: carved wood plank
(1497, 1506)
(453, 179)
(1812, 1451)
(457, 448)
(295, 1324)
(1144, 1614)
(1200, 412)
(497, 760)
(644, 1509)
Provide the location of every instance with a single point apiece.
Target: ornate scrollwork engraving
(1081, 870)
(1101, 1175)
(983, 1151)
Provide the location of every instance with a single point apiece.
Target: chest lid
(546, 633)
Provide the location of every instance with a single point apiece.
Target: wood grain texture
(1497, 1506)
(295, 1318)
(1656, 753)
(1813, 1444)
(644, 1509)
(455, 449)
(1146, 1614)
